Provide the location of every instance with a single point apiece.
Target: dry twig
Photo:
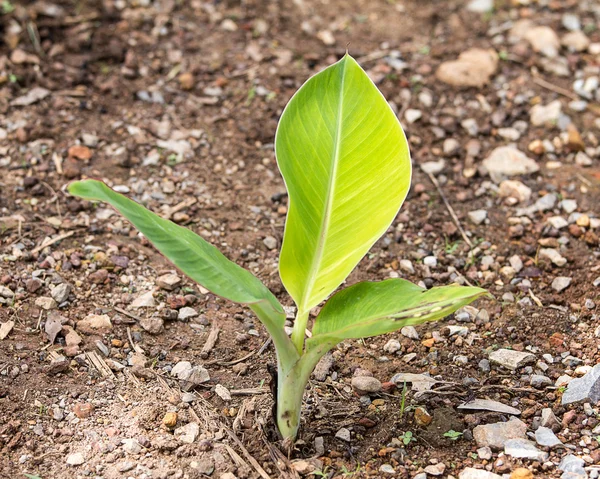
(449, 208)
(213, 336)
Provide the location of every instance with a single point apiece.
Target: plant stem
(299, 330)
(291, 383)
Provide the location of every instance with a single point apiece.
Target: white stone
(480, 6)
(222, 392)
(540, 115)
(552, 255)
(524, 449)
(543, 40)
(477, 217)
(511, 359)
(473, 68)
(576, 41)
(560, 283)
(392, 346)
(187, 433)
(558, 222)
(411, 115)
(96, 321)
(145, 300)
(472, 473)
(75, 459)
(430, 261)
(507, 161)
(433, 167)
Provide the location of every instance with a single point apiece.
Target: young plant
(346, 166)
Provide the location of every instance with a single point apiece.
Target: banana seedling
(346, 165)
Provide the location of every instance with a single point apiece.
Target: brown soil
(94, 61)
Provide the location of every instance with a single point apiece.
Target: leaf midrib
(314, 267)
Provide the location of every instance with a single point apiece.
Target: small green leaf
(31, 476)
(346, 165)
(197, 258)
(452, 435)
(369, 309)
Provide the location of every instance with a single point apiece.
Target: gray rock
(387, 469)
(186, 313)
(182, 370)
(168, 281)
(484, 365)
(131, 446)
(571, 22)
(145, 300)
(392, 346)
(125, 466)
(61, 292)
(152, 325)
(187, 433)
(550, 420)
(545, 437)
(560, 283)
(511, 359)
(409, 332)
(497, 434)
(572, 464)
(584, 389)
(205, 467)
(489, 405)
(420, 382)
(6, 292)
(323, 367)
(539, 381)
(472, 473)
(343, 434)
(270, 242)
(524, 449)
(484, 453)
(198, 375)
(366, 384)
(571, 361)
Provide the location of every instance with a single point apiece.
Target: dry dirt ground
(176, 104)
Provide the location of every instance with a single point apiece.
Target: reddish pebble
(80, 152)
(83, 410)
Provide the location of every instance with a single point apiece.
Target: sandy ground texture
(175, 103)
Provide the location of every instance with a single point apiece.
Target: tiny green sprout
(172, 159)
(407, 437)
(452, 434)
(31, 476)
(346, 165)
(6, 7)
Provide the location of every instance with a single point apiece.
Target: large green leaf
(197, 258)
(369, 309)
(346, 165)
